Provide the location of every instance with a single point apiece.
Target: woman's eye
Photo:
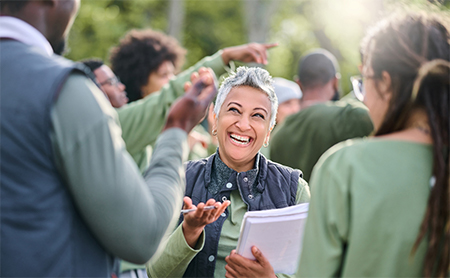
(233, 109)
(259, 115)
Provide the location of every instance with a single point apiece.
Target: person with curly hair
(145, 60)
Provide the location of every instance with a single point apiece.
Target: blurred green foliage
(209, 25)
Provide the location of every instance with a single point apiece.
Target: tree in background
(204, 26)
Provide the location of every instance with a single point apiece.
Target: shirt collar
(19, 30)
(223, 172)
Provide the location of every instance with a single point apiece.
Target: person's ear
(385, 85)
(299, 83)
(335, 84)
(266, 140)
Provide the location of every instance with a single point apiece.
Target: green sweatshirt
(303, 137)
(369, 197)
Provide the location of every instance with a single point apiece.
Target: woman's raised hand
(195, 221)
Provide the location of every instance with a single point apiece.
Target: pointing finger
(269, 45)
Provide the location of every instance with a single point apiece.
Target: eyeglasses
(113, 81)
(358, 87)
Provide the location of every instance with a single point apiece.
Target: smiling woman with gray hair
(244, 115)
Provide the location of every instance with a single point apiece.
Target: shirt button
(229, 185)
(250, 196)
(223, 214)
(224, 198)
(246, 179)
(211, 258)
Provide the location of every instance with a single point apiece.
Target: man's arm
(127, 214)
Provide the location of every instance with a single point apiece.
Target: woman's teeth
(239, 139)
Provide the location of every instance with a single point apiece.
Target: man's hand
(247, 53)
(238, 266)
(195, 221)
(187, 111)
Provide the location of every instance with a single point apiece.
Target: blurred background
(205, 26)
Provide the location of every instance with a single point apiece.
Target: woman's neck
(417, 129)
(238, 166)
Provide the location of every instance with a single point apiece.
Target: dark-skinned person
(380, 205)
(302, 138)
(72, 199)
(108, 82)
(203, 243)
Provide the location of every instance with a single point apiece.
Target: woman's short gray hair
(257, 78)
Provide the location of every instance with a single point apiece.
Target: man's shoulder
(334, 107)
(332, 111)
(35, 58)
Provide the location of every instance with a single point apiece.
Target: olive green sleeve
(303, 194)
(127, 213)
(143, 120)
(175, 257)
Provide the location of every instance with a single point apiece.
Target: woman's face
(377, 95)
(157, 79)
(242, 126)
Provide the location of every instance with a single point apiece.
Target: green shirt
(369, 197)
(178, 254)
(127, 213)
(303, 137)
(143, 120)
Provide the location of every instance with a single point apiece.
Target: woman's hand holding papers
(195, 221)
(238, 266)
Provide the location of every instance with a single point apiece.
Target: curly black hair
(140, 53)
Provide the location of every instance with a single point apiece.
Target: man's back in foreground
(72, 199)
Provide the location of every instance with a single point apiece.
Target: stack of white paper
(278, 233)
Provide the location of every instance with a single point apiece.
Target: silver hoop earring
(214, 132)
(266, 144)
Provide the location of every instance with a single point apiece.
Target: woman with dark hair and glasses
(380, 206)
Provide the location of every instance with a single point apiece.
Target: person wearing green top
(203, 243)
(303, 137)
(380, 206)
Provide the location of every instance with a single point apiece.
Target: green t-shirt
(303, 137)
(368, 200)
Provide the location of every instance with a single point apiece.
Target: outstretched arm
(127, 214)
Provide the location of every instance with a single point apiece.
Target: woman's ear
(385, 85)
(266, 140)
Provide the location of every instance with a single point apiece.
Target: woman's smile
(240, 140)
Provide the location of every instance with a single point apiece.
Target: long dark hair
(414, 49)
